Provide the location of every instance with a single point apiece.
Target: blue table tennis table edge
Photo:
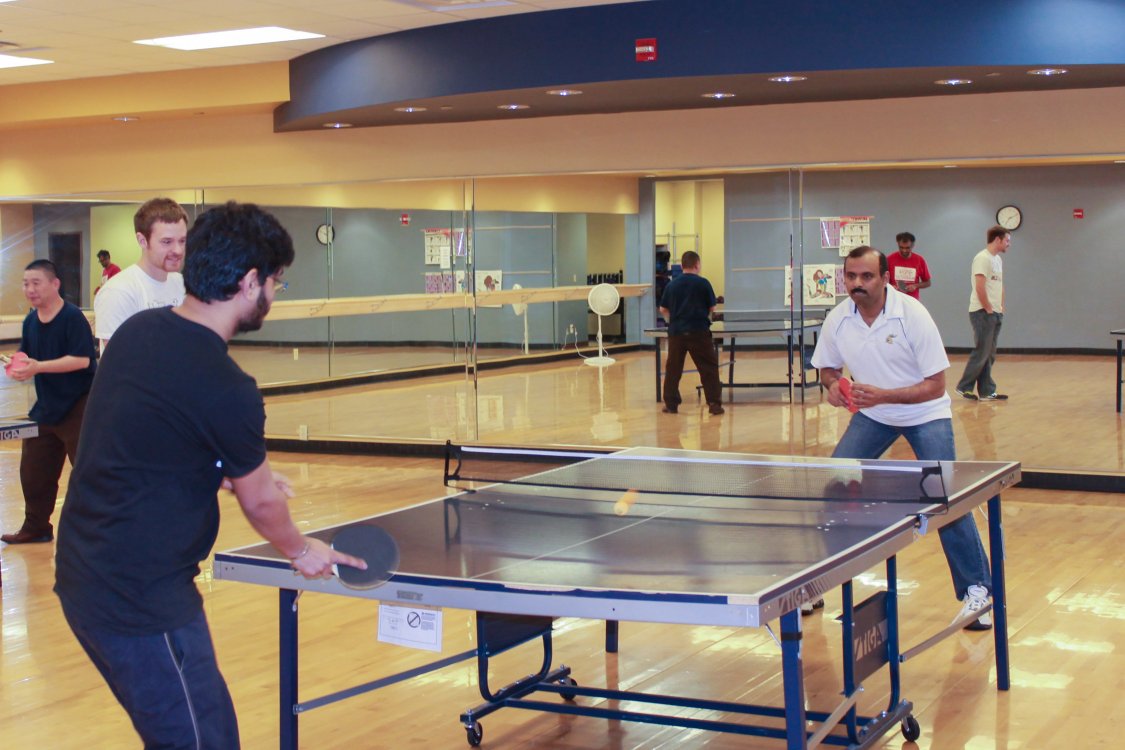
(18, 428)
(795, 732)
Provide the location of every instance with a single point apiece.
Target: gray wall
(1063, 276)
(375, 254)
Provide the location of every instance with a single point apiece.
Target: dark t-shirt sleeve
(237, 427)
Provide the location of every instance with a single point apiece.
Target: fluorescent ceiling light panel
(235, 38)
(11, 61)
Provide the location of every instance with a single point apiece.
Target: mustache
(858, 290)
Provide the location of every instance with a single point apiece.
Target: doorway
(65, 251)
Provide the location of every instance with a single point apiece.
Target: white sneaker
(976, 599)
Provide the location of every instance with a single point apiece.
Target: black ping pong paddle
(375, 547)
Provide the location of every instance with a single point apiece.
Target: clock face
(1009, 217)
(325, 234)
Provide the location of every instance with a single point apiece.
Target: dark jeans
(168, 683)
(978, 370)
(701, 347)
(931, 441)
(41, 465)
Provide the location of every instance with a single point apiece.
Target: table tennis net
(718, 476)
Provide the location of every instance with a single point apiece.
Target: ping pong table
(1119, 334)
(711, 539)
(732, 325)
(18, 428)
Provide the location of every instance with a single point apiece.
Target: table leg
(1119, 342)
(730, 366)
(287, 658)
(793, 680)
(999, 593)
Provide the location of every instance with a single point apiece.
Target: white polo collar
(892, 305)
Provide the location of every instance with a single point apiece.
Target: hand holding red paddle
(846, 392)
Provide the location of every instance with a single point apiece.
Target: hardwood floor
(1067, 602)
(1052, 398)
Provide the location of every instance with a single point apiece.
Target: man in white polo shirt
(891, 346)
(155, 280)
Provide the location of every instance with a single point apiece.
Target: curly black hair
(227, 241)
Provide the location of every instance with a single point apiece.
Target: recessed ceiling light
(337, 125)
(718, 95)
(564, 92)
(1047, 72)
(513, 106)
(949, 166)
(788, 79)
(233, 38)
(11, 61)
(126, 118)
(953, 82)
(410, 109)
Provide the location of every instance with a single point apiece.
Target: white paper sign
(413, 627)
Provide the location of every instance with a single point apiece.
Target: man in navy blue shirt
(59, 346)
(687, 304)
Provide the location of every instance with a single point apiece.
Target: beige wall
(111, 228)
(712, 226)
(241, 149)
(17, 249)
(605, 243)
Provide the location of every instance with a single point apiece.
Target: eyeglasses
(280, 286)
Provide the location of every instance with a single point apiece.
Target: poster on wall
(439, 282)
(854, 232)
(841, 285)
(819, 284)
(489, 281)
(829, 231)
(437, 243)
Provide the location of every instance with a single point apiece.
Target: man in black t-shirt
(171, 417)
(687, 304)
(59, 349)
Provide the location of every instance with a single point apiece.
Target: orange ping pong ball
(622, 506)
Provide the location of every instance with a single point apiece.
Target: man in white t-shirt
(889, 343)
(986, 314)
(155, 280)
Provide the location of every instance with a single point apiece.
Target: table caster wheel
(474, 734)
(911, 729)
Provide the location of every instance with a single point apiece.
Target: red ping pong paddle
(846, 392)
(14, 362)
(374, 546)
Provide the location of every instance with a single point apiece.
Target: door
(65, 251)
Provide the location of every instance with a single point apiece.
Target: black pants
(701, 347)
(41, 465)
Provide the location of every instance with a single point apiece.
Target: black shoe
(809, 607)
(23, 536)
(969, 395)
(994, 397)
(717, 409)
(670, 410)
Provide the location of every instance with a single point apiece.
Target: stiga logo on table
(869, 639)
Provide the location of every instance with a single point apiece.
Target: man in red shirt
(109, 268)
(907, 268)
